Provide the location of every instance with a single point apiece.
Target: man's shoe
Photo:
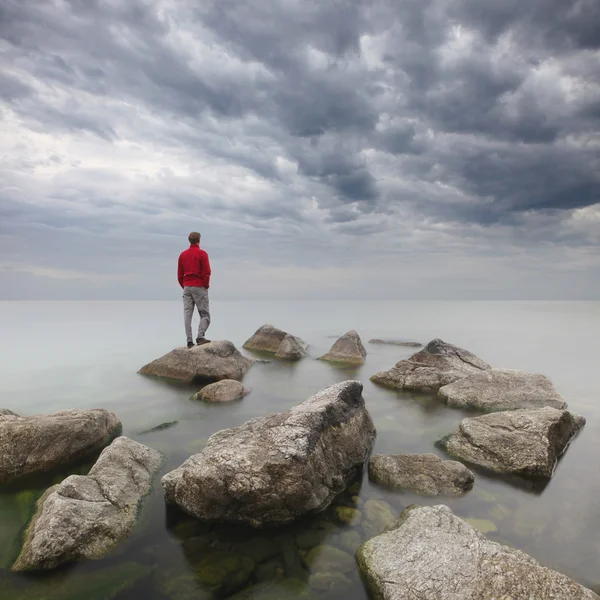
(190, 344)
(201, 341)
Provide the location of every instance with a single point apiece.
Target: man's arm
(206, 270)
(180, 271)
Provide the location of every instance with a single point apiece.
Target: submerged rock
(347, 349)
(378, 516)
(274, 469)
(221, 391)
(288, 588)
(210, 362)
(438, 364)
(522, 442)
(86, 516)
(396, 343)
(292, 348)
(502, 389)
(31, 445)
(223, 572)
(161, 427)
(432, 554)
(424, 474)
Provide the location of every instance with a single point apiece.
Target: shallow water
(60, 355)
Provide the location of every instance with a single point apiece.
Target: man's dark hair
(194, 237)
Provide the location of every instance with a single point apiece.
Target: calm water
(61, 355)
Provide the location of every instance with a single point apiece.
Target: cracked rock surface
(431, 554)
(522, 442)
(40, 443)
(348, 349)
(502, 389)
(438, 364)
(425, 474)
(210, 362)
(86, 516)
(274, 469)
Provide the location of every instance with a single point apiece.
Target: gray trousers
(198, 297)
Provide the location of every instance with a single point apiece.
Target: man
(193, 274)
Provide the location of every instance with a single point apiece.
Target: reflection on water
(171, 556)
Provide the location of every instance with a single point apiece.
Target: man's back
(194, 268)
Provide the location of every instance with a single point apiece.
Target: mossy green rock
(329, 558)
(282, 589)
(224, 572)
(347, 516)
(378, 515)
(329, 581)
(177, 585)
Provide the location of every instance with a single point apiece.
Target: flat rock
(210, 362)
(431, 554)
(437, 365)
(396, 343)
(502, 389)
(40, 443)
(274, 469)
(86, 516)
(347, 349)
(524, 442)
(221, 391)
(292, 348)
(424, 474)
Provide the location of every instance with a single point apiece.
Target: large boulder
(425, 474)
(31, 445)
(276, 341)
(522, 442)
(502, 389)
(431, 554)
(210, 362)
(221, 391)
(347, 349)
(86, 516)
(292, 348)
(438, 364)
(274, 469)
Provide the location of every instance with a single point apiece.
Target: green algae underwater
(171, 556)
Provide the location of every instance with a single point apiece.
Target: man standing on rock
(193, 274)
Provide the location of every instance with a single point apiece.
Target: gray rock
(438, 364)
(266, 339)
(5, 412)
(292, 348)
(221, 391)
(86, 516)
(425, 474)
(396, 343)
(30, 445)
(502, 389)
(524, 442)
(210, 362)
(274, 469)
(431, 554)
(347, 349)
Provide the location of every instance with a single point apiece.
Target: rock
(292, 348)
(210, 362)
(276, 590)
(7, 412)
(86, 516)
(329, 581)
(329, 558)
(347, 349)
(522, 442)
(221, 391)
(424, 474)
(161, 427)
(431, 554)
(347, 540)
(438, 364)
(223, 572)
(483, 525)
(348, 515)
(378, 516)
(258, 549)
(309, 538)
(274, 469)
(31, 445)
(396, 343)
(502, 389)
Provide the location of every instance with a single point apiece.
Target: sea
(60, 355)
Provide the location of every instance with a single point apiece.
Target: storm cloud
(377, 149)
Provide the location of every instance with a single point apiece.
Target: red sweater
(193, 268)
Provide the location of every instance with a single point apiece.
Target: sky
(384, 149)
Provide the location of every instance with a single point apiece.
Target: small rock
(226, 390)
(483, 525)
(329, 558)
(291, 348)
(378, 516)
(329, 581)
(161, 427)
(424, 474)
(347, 515)
(288, 588)
(347, 540)
(347, 349)
(266, 339)
(396, 343)
(223, 572)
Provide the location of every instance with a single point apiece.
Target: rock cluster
(87, 516)
(274, 469)
(431, 554)
(40, 443)
(276, 341)
(347, 349)
(210, 362)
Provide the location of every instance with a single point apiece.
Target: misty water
(61, 355)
